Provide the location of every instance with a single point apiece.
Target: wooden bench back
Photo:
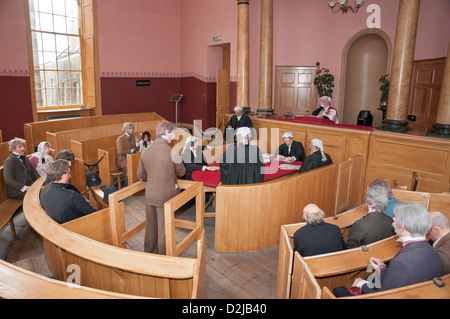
(423, 290)
(36, 132)
(107, 164)
(18, 283)
(304, 285)
(286, 252)
(247, 219)
(61, 140)
(431, 201)
(87, 149)
(110, 268)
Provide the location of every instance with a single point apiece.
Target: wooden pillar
(242, 56)
(266, 59)
(442, 126)
(402, 66)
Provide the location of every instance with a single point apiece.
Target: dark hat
(108, 190)
(92, 179)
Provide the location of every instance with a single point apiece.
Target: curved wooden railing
(249, 217)
(103, 266)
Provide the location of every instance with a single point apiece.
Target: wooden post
(243, 56)
(442, 126)
(402, 66)
(266, 59)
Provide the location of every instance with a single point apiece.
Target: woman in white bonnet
(41, 160)
(317, 158)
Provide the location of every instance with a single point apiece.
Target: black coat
(193, 163)
(242, 165)
(316, 239)
(244, 121)
(297, 150)
(313, 161)
(63, 203)
(17, 175)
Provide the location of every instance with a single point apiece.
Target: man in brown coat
(126, 143)
(440, 235)
(18, 172)
(160, 171)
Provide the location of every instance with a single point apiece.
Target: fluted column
(402, 66)
(442, 126)
(242, 56)
(266, 59)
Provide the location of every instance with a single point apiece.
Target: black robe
(313, 161)
(193, 163)
(242, 165)
(297, 150)
(244, 121)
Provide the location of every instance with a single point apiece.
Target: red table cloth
(272, 171)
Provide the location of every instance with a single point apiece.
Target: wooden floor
(228, 276)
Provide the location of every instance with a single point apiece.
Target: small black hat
(108, 190)
(92, 179)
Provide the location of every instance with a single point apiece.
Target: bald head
(441, 225)
(312, 214)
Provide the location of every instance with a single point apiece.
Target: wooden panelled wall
(391, 156)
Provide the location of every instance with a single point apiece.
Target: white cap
(287, 135)
(326, 97)
(243, 131)
(319, 144)
(238, 108)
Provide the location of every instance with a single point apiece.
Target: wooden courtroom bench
(304, 284)
(61, 140)
(108, 170)
(431, 289)
(286, 251)
(35, 132)
(87, 149)
(8, 206)
(19, 283)
(86, 242)
(249, 217)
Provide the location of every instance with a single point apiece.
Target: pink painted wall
(139, 36)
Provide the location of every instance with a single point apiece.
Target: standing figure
(160, 171)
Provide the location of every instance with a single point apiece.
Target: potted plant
(384, 88)
(324, 82)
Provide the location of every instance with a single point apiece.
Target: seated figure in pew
(146, 141)
(317, 237)
(67, 155)
(290, 151)
(392, 201)
(126, 143)
(63, 202)
(376, 225)
(41, 159)
(193, 158)
(242, 163)
(159, 169)
(417, 261)
(18, 172)
(317, 158)
(325, 110)
(240, 119)
(440, 235)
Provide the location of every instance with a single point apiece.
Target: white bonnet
(287, 134)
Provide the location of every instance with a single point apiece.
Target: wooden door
(425, 91)
(223, 96)
(294, 90)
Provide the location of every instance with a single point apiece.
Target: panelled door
(425, 91)
(294, 90)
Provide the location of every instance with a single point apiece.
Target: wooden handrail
(107, 255)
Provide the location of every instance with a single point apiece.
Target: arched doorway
(366, 56)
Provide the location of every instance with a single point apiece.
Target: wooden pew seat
(425, 290)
